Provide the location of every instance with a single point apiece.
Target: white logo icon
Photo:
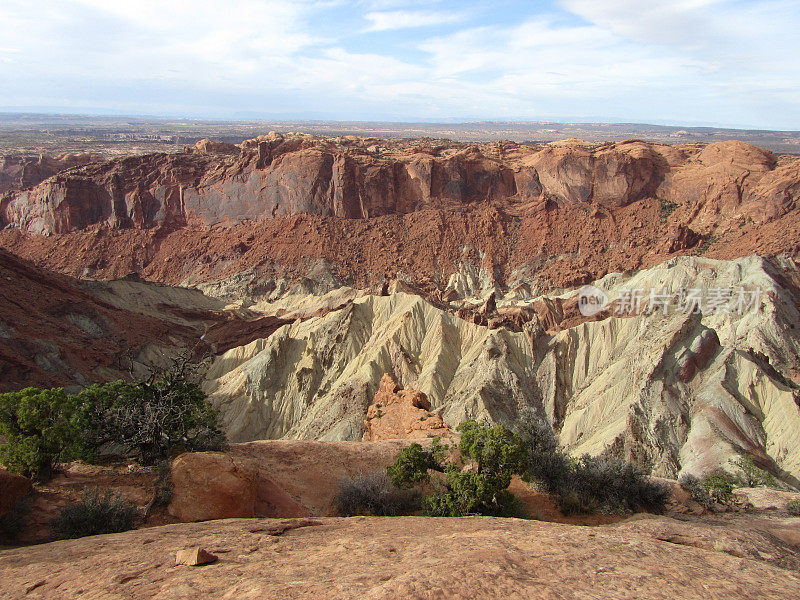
(591, 300)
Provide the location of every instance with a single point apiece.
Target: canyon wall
(309, 268)
(356, 179)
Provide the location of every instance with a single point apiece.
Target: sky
(728, 63)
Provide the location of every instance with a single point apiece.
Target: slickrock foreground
(417, 557)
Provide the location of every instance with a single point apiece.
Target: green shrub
(151, 418)
(163, 493)
(493, 455)
(412, 465)
(751, 475)
(610, 486)
(472, 493)
(666, 207)
(42, 427)
(793, 507)
(374, 494)
(720, 485)
(696, 488)
(706, 244)
(589, 484)
(496, 453)
(495, 450)
(163, 488)
(548, 465)
(95, 514)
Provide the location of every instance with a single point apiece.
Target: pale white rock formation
(470, 281)
(314, 379)
(682, 391)
(675, 392)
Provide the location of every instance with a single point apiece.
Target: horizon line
(7, 111)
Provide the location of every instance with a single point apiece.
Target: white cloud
(138, 39)
(676, 21)
(746, 50)
(539, 55)
(406, 19)
(712, 60)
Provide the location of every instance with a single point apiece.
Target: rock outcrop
(13, 488)
(401, 414)
(207, 146)
(762, 498)
(212, 485)
(21, 172)
(611, 175)
(195, 557)
(215, 485)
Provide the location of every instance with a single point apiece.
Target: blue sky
(714, 62)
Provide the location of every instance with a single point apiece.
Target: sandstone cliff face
(140, 191)
(20, 172)
(276, 175)
(269, 177)
(613, 175)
